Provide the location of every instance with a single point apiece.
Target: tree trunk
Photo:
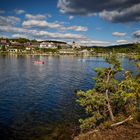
(107, 98)
(138, 102)
(119, 123)
(109, 106)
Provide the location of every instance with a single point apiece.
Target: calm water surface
(37, 102)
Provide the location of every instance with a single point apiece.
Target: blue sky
(90, 22)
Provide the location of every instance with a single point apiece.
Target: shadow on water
(40, 132)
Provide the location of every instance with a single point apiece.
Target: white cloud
(53, 25)
(8, 20)
(49, 15)
(10, 29)
(39, 34)
(136, 34)
(71, 17)
(40, 24)
(20, 36)
(35, 17)
(90, 42)
(118, 34)
(19, 11)
(58, 35)
(122, 41)
(75, 28)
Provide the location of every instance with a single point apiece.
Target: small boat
(38, 62)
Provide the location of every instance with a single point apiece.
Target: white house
(48, 45)
(75, 46)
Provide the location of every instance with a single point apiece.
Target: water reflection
(38, 101)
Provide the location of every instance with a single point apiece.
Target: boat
(39, 62)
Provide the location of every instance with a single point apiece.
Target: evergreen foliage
(127, 48)
(109, 97)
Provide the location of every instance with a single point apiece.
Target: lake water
(37, 102)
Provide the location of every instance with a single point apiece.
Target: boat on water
(38, 62)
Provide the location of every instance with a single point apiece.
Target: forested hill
(126, 48)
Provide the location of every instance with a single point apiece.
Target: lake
(37, 102)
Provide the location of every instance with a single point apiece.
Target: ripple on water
(39, 100)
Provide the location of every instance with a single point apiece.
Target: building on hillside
(15, 44)
(28, 48)
(75, 46)
(54, 45)
(63, 45)
(48, 45)
(35, 44)
(27, 44)
(4, 43)
(16, 47)
(66, 51)
(84, 52)
(14, 50)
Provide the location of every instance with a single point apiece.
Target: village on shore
(24, 46)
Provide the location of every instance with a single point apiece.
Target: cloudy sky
(89, 22)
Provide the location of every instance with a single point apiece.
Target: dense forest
(127, 48)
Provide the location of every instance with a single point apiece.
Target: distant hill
(114, 46)
(54, 41)
(122, 46)
(125, 48)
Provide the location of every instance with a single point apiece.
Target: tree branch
(119, 123)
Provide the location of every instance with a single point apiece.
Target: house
(35, 44)
(15, 43)
(63, 45)
(84, 52)
(27, 44)
(4, 43)
(75, 46)
(66, 51)
(16, 47)
(15, 50)
(48, 45)
(28, 48)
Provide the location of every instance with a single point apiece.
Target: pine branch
(119, 123)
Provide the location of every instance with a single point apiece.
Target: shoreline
(77, 54)
(126, 131)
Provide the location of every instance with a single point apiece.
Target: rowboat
(38, 62)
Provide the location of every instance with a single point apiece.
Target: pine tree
(98, 101)
(110, 97)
